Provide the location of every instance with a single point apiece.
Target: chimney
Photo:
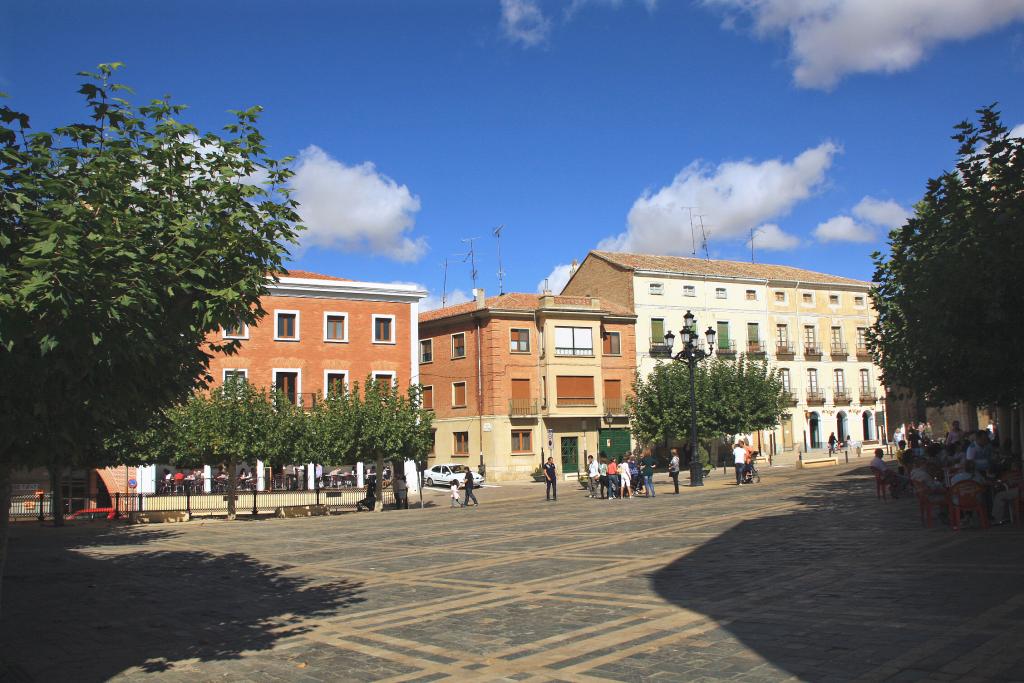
(478, 296)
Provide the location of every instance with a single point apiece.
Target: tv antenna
(471, 257)
(444, 285)
(501, 273)
(753, 231)
(693, 239)
(704, 236)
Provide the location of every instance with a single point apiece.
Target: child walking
(455, 494)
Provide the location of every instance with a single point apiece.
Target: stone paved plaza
(805, 576)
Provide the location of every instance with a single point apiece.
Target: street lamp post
(692, 353)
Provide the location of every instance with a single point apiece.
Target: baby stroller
(750, 473)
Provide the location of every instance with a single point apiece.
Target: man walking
(550, 481)
(673, 469)
(469, 490)
(613, 479)
(593, 476)
(738, 461)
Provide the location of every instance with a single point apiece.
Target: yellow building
(811, 326)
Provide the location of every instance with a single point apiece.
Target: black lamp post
(692, 353)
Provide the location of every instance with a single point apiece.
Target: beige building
(515, 378)
(811, 326)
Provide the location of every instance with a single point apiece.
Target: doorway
(868, 420)
(787, 433)
(814, 427)
(842, 427)
(570, 454)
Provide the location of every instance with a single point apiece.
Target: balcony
(726, 348)
(863, 353)
(815, 397)
(574, 351)
(659, 349)
(788, 398)
(812, 351)
(615, 406)
(579, 402)
(784, 351)
(838, 351)
(842, 397)
(756, 349)
(523, 407)
(868, 395)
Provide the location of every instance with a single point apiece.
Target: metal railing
(726, 348)
(573, 351)
(841, 397)
(523, 407)
(660, 348)
(784, 349)
(838, 351)
(575, 402)
(863, 353)
(868, 395)
(815, 397)
(615, 406)
(755, 348)
(789, 398)
(812, 350)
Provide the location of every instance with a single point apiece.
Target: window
(426, 350)
(784, 378)
(858, 301)
(384, 379)
(522, 441)
(519, 340)
(810, 335)
(575, 391)
(521, 389)
(724, 344)
(865, 379)
(459, 345)
(335, 382)
(656, 288)
(286, 381)
(840, 380)
(237, 374)
(574, 341)
(782, 335)
(862, 337)
(812, 380)
(613, 388)
(335, 327)
(286, 326)
(612, 344)
(237, 331)
(807, 298)
(383, 329)
(754, 333)
(751, 295)
(657, 330)
(720, 293)
(458, 394)
(461, 445)
(833, 299)
(689, 290)
(428, 397)
(836, 340)
(780, 297)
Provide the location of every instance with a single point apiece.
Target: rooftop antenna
(501, 273)
(444, 286)
(704, 235)
(753, 231)
(471, 257)
(693, 240)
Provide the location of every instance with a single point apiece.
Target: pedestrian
(455, 494)
(626, 482)
(648, 472)
(550, 480)
(401, 492)
(602, 469)
(469, 490)
(613, 479)
(673, 469)
(832, 441)
(593, 476)
(634, 476)
(738, 457)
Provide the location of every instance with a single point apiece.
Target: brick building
(514, 378)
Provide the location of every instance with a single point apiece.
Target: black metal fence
(207, 504)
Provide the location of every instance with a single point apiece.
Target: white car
(442, 475)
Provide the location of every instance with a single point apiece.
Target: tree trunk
(56, 496)
(5, 511)
(232, 488)
(419, 477)
(379, 504)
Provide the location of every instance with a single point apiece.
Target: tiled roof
(697, 266)
(518, 301)
(305, 274)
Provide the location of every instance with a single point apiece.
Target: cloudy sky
(576, 124)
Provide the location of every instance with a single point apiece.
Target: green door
(570, 454)
(614, 443)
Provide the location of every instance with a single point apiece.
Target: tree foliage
(733, 397)
(948, 293)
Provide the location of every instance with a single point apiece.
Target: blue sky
(575, 123)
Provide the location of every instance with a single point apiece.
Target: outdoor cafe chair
(968, 496)
(927, 501)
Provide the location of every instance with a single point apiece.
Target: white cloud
(844, 229)
(1017, 131)
(734, 196)
(771, 237)
(556, 279)
(524, 22)
(887, 214)
(830, 39)
(354, 208)
(433, 300)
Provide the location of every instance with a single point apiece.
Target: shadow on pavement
(89, 604)
(845, 584)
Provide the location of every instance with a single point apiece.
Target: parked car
(442, 475)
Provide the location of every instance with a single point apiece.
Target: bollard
(316, 487)
(847, 456)
(188, 502)
(140, 503)
(117, 504)
(41, 496)
(254, 501)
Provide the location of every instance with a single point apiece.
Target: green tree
(958, 342)
(124, 241)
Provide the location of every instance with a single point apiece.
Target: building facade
(811, 326)
(516, 378)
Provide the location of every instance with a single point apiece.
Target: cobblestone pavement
(805, 576)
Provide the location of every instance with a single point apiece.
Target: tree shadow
(846, 583)
(97, 603)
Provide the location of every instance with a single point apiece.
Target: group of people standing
(615, 478)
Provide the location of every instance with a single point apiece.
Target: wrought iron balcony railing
(812, 351)
(523, 407)
(815, 397)
(784, 350)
